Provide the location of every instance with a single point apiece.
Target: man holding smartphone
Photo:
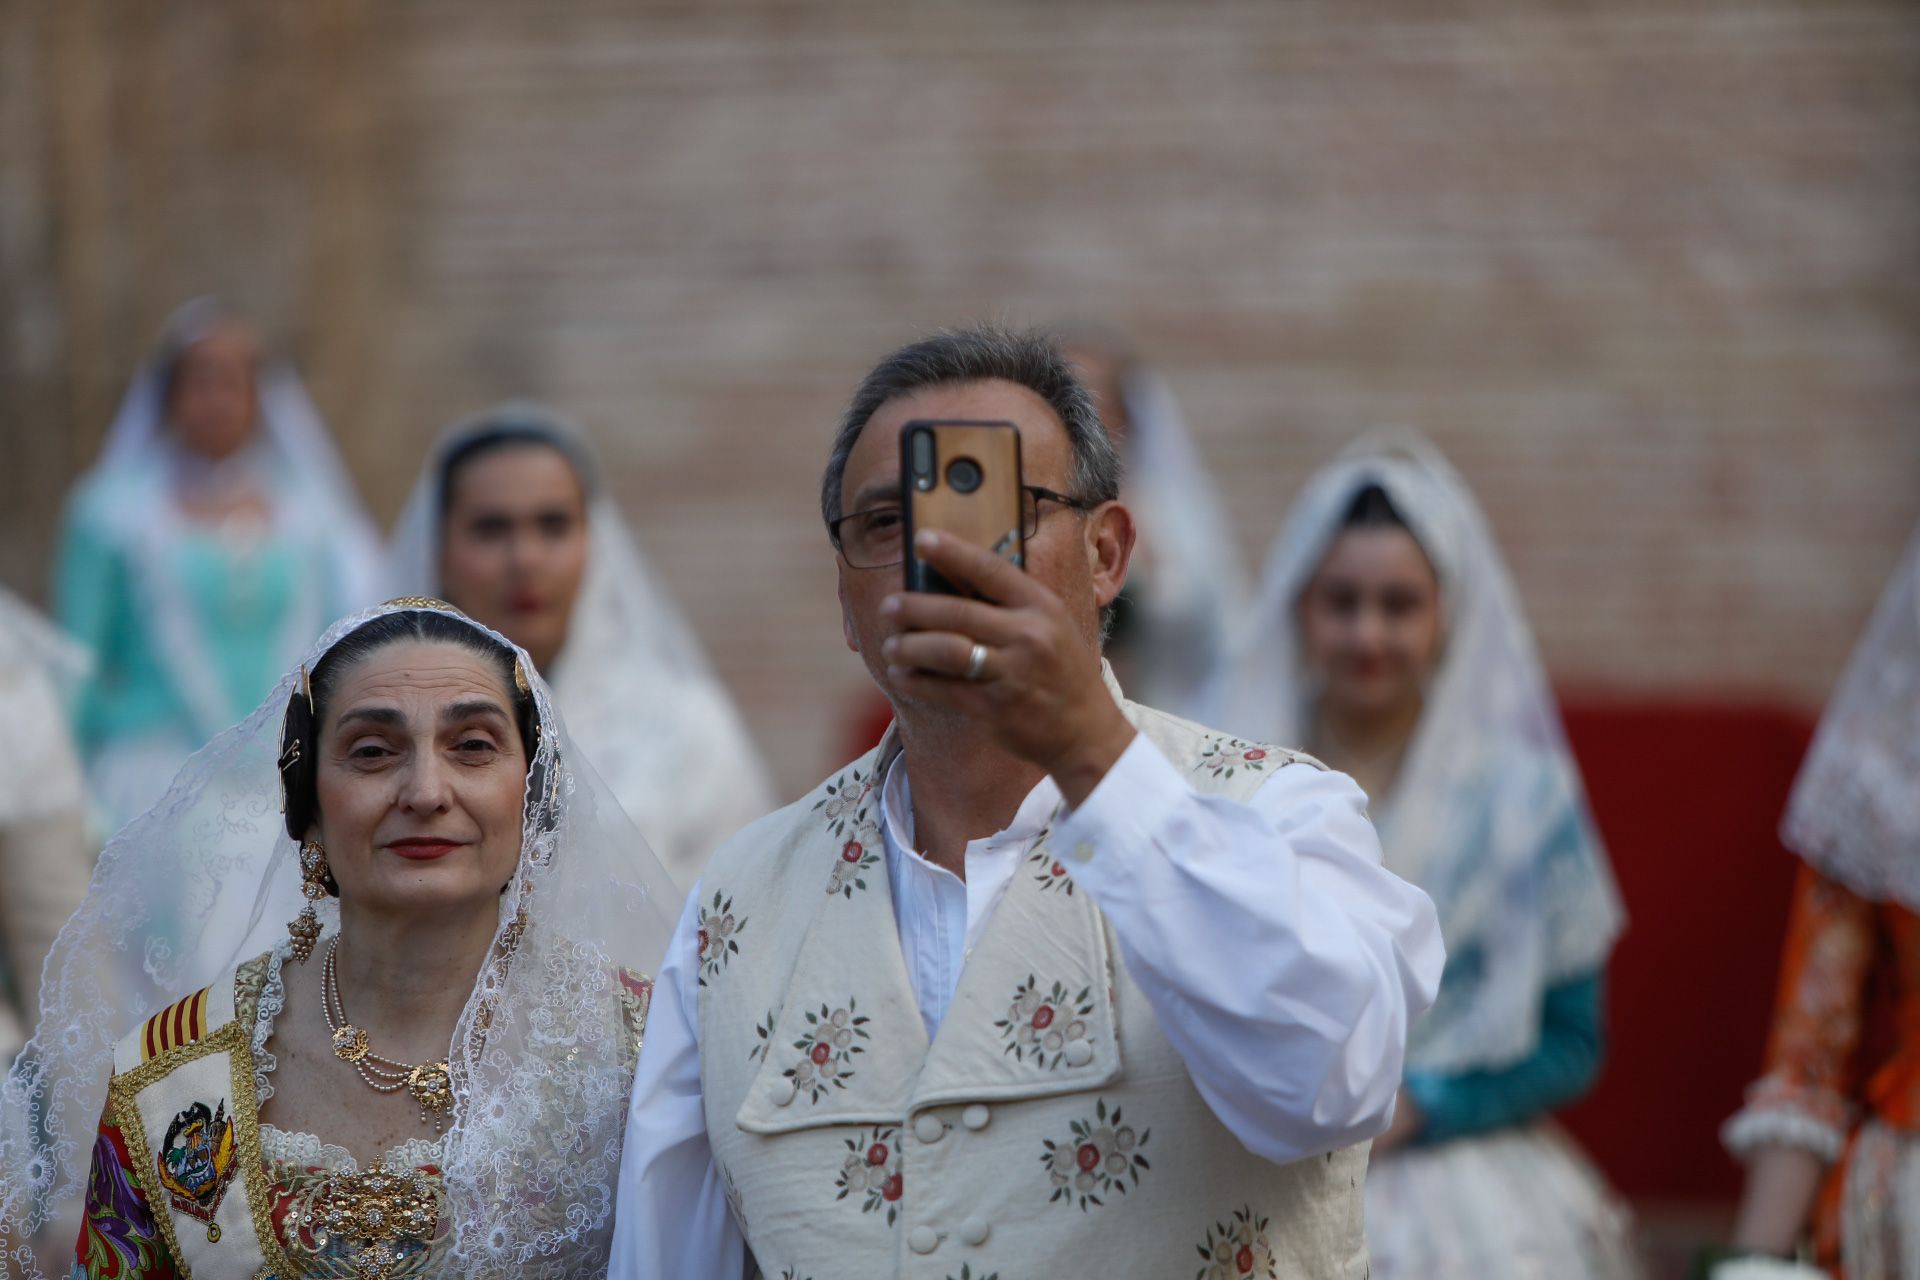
(1048, 980)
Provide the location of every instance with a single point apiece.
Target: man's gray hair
(1026, 357)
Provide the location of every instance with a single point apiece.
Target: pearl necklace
(430, 1083)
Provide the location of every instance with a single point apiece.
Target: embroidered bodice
(172, 1188)
(304, 1170)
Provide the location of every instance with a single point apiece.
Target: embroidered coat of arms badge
(196, 1161)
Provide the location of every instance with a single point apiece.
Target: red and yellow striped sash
(175, 1025)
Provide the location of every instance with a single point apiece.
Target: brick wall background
(1647, 270)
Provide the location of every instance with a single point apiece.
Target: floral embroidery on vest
(827, 1050)
(848, 814)
(764, 1030)
(719, 932)
(1223, 755)
(1236, 1249)
(731, 1189)
(845, 804)
(1102, 1156)
(854, 858)
(1041, 1025)
(1052, 873)
(872, 1170)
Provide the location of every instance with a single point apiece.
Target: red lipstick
(424, 848)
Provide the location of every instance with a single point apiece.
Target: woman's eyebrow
(384, 717)
(471, 709)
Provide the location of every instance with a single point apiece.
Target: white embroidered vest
(1050, 1128)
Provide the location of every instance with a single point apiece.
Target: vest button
(975, 1231)
(1078, 1053)
(923, 1240)
(975, 1117)
(1083, 852)
(781, 1092)
(928, 1127)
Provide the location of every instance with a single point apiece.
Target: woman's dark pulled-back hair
(300, 734)
(1371, 508)
(506, 427)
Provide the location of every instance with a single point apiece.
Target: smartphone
(961, 478)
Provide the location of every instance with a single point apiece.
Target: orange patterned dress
(1834, 1087)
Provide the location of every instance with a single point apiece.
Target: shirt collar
(1030, 820)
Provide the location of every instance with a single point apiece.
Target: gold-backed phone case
(988, 515)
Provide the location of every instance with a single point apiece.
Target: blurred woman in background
(45, 856)
(509, 523)
(1186, 584)
(1831, 1131)
(202, 554)
(1388, 641)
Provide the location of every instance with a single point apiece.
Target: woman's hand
(1406, 1126)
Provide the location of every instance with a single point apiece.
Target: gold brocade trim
(392, 1220)
(235, 1038)
(636, 1000)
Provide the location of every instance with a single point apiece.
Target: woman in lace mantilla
(426, 1073)
(1831, 1131)
(1388, 640)
(510, 522)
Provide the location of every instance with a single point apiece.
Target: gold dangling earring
(305, 927)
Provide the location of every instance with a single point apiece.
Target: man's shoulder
(843, 808)
(1197, 748)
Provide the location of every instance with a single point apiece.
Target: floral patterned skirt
(1519, 1204)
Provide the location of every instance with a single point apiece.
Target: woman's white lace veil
(1855, 808)
(312, 474)
(1487, 785)
(208, 878)
(644, 702)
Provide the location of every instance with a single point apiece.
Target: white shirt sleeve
(671, 1221)
(1284, 962)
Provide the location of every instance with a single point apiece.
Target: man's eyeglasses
(871, 539)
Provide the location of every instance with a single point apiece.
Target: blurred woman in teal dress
(215, 537)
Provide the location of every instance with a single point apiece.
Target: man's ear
(1109, 541)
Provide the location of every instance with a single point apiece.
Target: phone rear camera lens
(963, 475)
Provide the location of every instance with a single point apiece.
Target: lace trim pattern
(310, 1151)
(273, 1002)
(1753, 1127)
